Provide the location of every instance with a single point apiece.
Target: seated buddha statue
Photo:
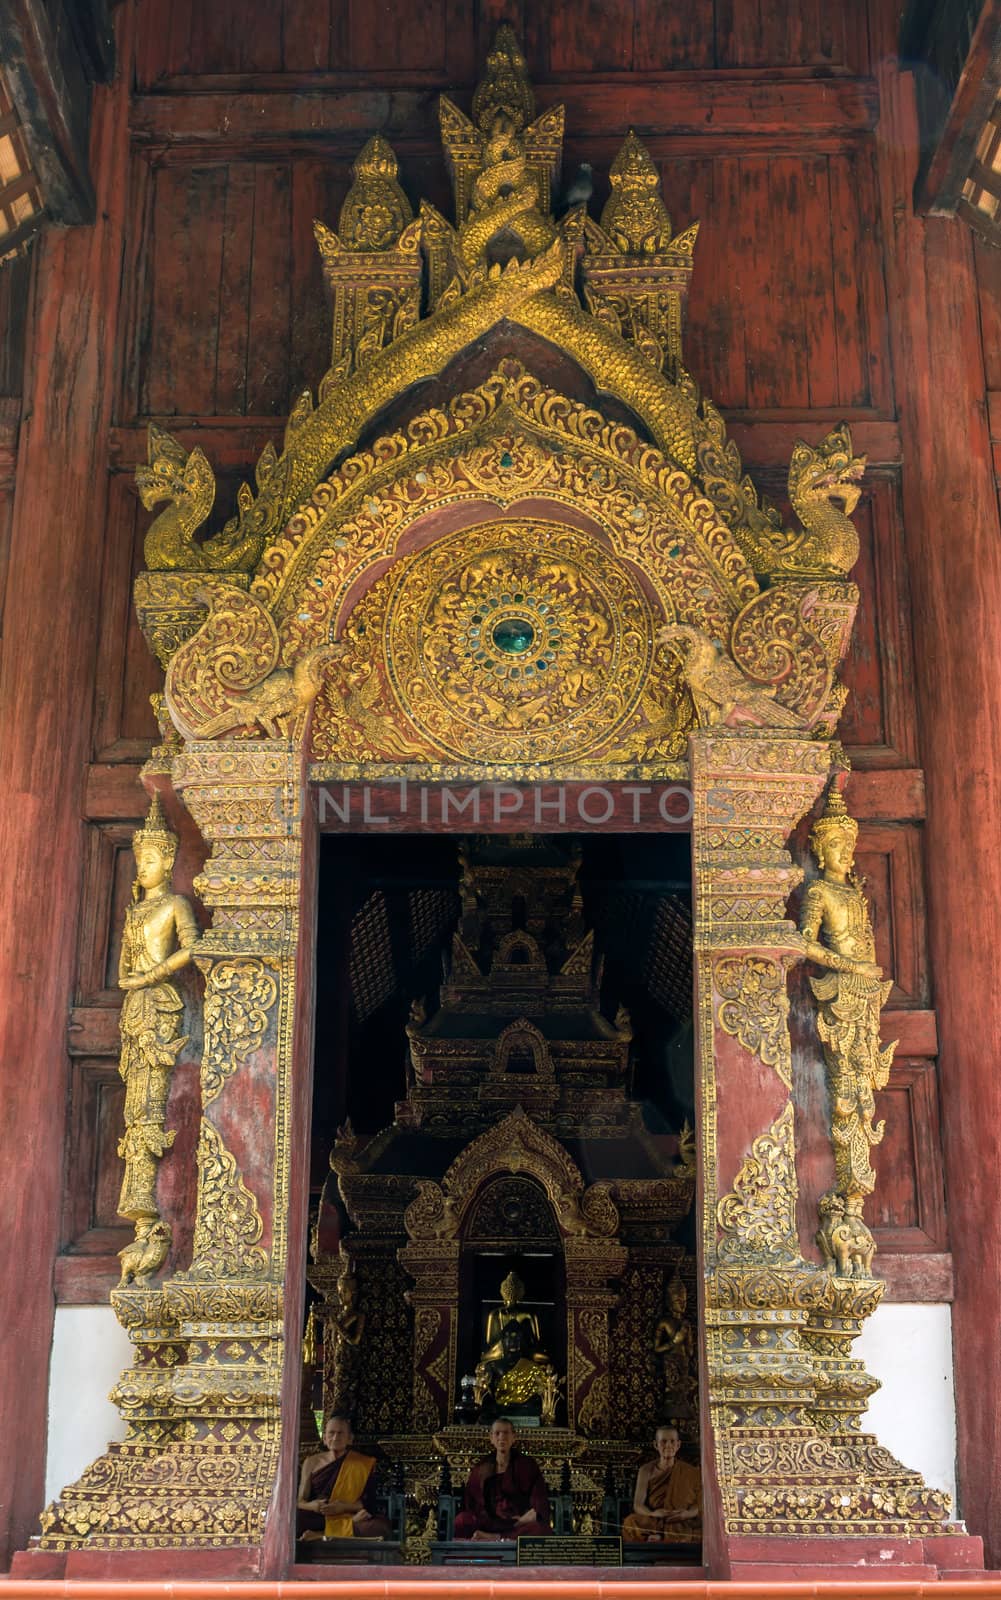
(511, 1314)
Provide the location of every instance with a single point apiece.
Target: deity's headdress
(513, 1284)
(154, 831)
(835, 820)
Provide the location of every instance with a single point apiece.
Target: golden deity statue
(159, 937)
(838, 933)
(512, 1292)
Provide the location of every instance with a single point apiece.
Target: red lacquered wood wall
(197, 301)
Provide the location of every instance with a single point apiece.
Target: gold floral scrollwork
(238, 997)
(759, 1216)
(432, 1215)
(228, 1224)
(599, 1210)
(753, 1007)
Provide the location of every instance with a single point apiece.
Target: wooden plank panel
(93, 1031)
(317, 192)
(112, 790)
(127, 673)
(229, 36)
(679, 35)
(313, 36)
(916, 1279)
(185, 255)
(110, 1119)
(233, 340)
(879, 721)
(109, 871)
(862, 721)
(859, 287)
(715, 343)
(765, 331)
(764, 443)
(988, 264)
(890, 859)
(907, 1210)
(382, 39)
(270, 290)
(784, 33)
(152, 55)
(592, 36)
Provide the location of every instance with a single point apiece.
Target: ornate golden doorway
(457, 572)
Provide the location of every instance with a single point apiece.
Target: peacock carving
(720, 691)
(285, 691)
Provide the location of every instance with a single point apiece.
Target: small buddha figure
(347, 1327)
(349, 1321)
(512, 1292)
(838, 937)
(673, 1341)
(159, 938)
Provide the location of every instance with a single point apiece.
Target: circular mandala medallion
(517, 640)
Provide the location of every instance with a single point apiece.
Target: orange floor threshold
(473, 1584)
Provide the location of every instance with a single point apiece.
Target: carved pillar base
(784, 1395)
(844, 1388)
(203, 1400)
(202, 1407)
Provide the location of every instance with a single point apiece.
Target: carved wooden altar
(507, 540)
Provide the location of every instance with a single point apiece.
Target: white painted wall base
(909, 1349)
(89, 1350)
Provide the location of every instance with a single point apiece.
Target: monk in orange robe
(667, 1503)
(333, 1490)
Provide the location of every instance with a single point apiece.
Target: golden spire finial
(836, 819)
(375, 210)
(505, 87)
(155, 831)
(635, 217)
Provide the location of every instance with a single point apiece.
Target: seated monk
(667, 1503)
(335, 1490)
(505, 1493)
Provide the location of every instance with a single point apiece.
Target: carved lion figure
(843, 1239)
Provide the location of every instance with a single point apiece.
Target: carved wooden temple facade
(497, 696)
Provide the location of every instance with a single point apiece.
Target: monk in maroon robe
(505, 1493)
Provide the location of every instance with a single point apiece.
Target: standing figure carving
(159, 938)
(850, 996)
(348, 1325)
(674, 1343)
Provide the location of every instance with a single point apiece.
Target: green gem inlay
(514, 636)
